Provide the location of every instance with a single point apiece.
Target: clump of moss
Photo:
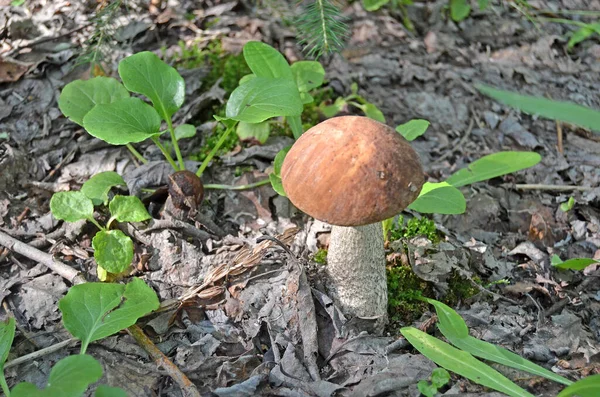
(404, 289)
(320, 256)
(460, 289)
(413, 228)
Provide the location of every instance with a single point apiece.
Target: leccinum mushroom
(353, 172)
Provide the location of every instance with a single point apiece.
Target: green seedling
(113, 250)
(568, 205)
(572, 264)
(369, 109)
(91, 311)
(439, 378)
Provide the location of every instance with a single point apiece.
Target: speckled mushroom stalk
(354, 172)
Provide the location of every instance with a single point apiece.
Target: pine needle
(322, 28)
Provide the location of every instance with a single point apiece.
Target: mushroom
(354, 172)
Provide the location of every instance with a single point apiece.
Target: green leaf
(483, 4)
(426, 389)
(555, 110)
(80, 96)
(144, 73)
(279, 158)
(331, 110)
(295, 123)
(308, 75)
(454, 328)
(579, 36)
(183, 131)
(113, 250)
(568, 205)
(128, 209)
(71, 206)
(256, 131)
(373, 112)
(70, 377)
(573, 264)
(262, 98)
(276, 184)
(306, 98)
(246, 79)
(586, 387)
(97, 187)
(493, 165)
(461, 362)
(459, 10)
(107, 391)
(439, 377)
(374, 5)
(266, 61)
(439, 198)
(7, 334)
(413, 129)
(125, 121)
(93, 311)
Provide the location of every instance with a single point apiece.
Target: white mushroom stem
(356, 266)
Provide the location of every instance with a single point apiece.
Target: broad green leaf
(439, 377)
(459, 10)
(454, 328)
(276, 184)
(586, 387)
(295, 123)
(579, 35)
(80, 96)
(306, 98)
(107, 391)
(439, 198)
(93, 311)
(308, 75)
(97, 187)
(128, 209)
(555, 110)
(113, 250)
(493, 165)
(461, 363)
(266, 61)
(246, 78)
(125, 121)
(253, 131)
(413, 129)
(70, 377)
(7, 334)
(374, 5)
(331, 110)
(426, 389)
(144, 73)
(279, 158)
(573, 264)
(262, 98)
(373, 112)
(183, 131)
(71, 206)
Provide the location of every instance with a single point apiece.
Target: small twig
(459, 144)
(63, 270)
(556, 188)
(39, 353)
(187, 387)
(559, 137)
(495, 295)
(563, 302)
(346, 343)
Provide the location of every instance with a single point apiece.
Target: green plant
(91, 311)
(320, 256)
(568, 205)
(321, 28)
(573, 263)
(460, 359)
(113, 250)
(439, 378)
(369, 109)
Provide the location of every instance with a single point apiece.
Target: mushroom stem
(356, 267)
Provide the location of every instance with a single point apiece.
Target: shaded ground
(248, 336)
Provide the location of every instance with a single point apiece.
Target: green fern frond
(322, 28)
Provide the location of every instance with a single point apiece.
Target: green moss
(404, 288)
(414, 227)
(460, 288)
(320, 256)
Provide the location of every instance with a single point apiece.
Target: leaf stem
(110, 220)
(3, 383)
(175, 145)
(240, 187)
(214, 149)
(95, 222)
(136, 154)
(165, 153)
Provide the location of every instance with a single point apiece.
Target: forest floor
(244, 337)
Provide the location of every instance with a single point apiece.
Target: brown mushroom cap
(351, 171)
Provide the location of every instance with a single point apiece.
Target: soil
(249, 333)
